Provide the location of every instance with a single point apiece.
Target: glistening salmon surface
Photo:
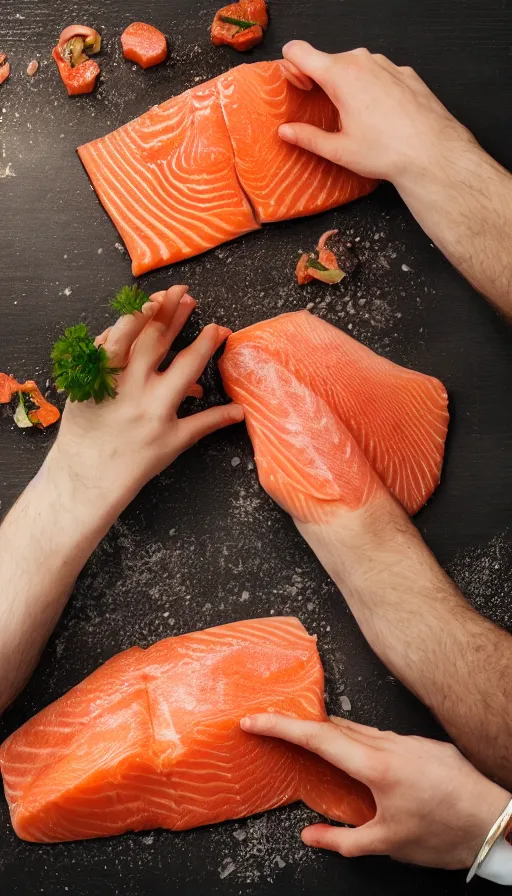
(152, 739)
(331, 422)
(208, 166)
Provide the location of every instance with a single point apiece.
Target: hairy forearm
(414, 617)
(462, 198)
(45, 541)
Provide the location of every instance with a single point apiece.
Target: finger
(322, 738)
(351, 842)
(197, 426)
(153, 343)
(183, 312)
(121, 336)
(323, 143)
(308, 60)
(295, 76)
(102, 337)
(347, 725)
(195, 391)
(189, 364)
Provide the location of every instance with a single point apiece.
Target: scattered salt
(240, 835)
(32, 68)
(406, 268)
(245, 595)
(235, 461)
(345, 704)
(279, 862)
(148, 840)
(226, 868)
(100, 251)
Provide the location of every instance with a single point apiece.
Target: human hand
(391, 122)
(112, 449)
(433, 807)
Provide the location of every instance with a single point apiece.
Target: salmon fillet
(282, 181)
(152, 739)
(331, 422)
(168, 180)
(208, 166)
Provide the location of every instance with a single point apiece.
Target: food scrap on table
(78, 72)
(43, 414)
(32, 68)
(323, 264)
(5, 68)
(144, 44)
(240, 25)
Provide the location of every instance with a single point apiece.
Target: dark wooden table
(203, 544)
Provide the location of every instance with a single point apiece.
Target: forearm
(457, 662)
(45, 541)
(462, 198)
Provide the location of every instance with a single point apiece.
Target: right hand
(433, 807)
(391, 121)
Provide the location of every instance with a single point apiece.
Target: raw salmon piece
(152, 739)
(281, 180)
(168, 180)
(144, 44)
(330, 421)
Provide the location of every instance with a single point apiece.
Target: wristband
(494, 860)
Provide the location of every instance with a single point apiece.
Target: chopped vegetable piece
(32, 68)
(5, 68)
(295, 76)
(82, 369)
(92, 40)
(144, 44)
(321, 266)
(129, 299)
(21, 417)
(76, 80)
(43, 415)
(240, 25)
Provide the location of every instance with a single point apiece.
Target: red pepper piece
(46, 414)
(80, 79)
(251, 20)
(144, 44)
(5, 68)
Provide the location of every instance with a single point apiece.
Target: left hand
(433, 807)
(110, 450)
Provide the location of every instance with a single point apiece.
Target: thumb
(349, 842)
(323, 143)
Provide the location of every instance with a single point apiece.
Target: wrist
(84, 500)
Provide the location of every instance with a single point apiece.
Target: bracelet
(498, 829)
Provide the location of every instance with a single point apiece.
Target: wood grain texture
(202, 545)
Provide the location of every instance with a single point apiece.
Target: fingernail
(286, 132)
(238, 412)
(187, 300)
(246, 723)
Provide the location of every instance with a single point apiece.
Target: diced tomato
(144, 44)
(80, 79)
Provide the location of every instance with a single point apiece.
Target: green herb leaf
(317, 265)
(129, 299)
(243, 24)
(21, 417)
(81, 369)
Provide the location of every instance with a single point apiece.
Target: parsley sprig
(129, 299)
(81, 369)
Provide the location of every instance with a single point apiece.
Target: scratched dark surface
(203, 545)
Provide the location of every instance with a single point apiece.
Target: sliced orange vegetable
(5, 68)
(78, 79)
(321, 266)
(45, 414)
(144, 44)
(240, 25)
(295, 76)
